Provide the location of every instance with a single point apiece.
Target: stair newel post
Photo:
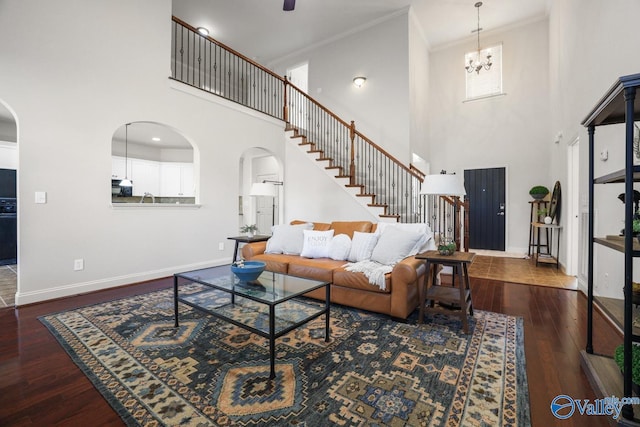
(285, 107)
(352, 165)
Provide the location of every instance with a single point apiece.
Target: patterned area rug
(373, 372)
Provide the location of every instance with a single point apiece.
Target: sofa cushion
(278, 263)
(287, 239)
(423, 244)
(349, 279)
(362, 245)
(340, 247)
(348, 227)
(316, 243)
(317, 269)
(394, 244)
(318, 226)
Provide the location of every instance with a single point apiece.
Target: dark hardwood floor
(41, 386)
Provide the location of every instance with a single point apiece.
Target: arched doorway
(260, 204)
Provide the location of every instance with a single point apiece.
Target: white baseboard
(71, 289)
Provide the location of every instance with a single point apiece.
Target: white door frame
(573, 207)
(267, 208)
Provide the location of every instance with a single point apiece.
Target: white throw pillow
(287, 239)
(316, 243)
(425, 243)
(362, 246)
(394, 245)
(339, 247)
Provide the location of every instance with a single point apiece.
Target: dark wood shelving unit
(619, 105)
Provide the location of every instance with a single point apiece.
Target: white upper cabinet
(145, 175)
(166, 179)
(176, 180)
(118, 167)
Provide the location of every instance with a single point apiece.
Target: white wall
(592, 43)
(380, 108)
(310, 196)
(70, 90)
(419, 89)
(506, 131)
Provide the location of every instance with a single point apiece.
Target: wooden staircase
(338, 172)
(385, 185)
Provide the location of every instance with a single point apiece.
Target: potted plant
(250, 229)
(539, 192)
(635, 364)
(544, 212)
(447, 247)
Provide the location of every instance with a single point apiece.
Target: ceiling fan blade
(289, 5)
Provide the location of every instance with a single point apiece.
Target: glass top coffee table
(268, 306)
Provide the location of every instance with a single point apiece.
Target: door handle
(501, 213)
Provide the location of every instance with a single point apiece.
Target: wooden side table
(548, 258)
(447, 294)
(246, 239)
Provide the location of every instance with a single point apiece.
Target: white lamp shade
(262, 189)
(443, 185)
(126, 183)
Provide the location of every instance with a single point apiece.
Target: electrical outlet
(221, 246)
(78, 264)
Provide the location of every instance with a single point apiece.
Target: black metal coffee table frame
(275, 293)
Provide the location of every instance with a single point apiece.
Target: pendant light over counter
(126, 182)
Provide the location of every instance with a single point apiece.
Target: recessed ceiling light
(203, 31)
(156, 139)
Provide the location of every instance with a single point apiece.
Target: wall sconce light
(359, 81)
(203, 31)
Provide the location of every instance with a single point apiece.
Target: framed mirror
(554, 205)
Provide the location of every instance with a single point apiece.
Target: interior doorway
(8, 207)
(256, 166)
(573, 207)
(487, 207)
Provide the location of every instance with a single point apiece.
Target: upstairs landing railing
(209, 65)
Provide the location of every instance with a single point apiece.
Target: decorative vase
(548, 220)
(538, 196)
(249, 234)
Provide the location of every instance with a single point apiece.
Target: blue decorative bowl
(251, 270)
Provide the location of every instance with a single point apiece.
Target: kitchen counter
(158, 200)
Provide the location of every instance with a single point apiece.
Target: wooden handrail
(224, 46)
(416, 170)
(322, 107)
(392, 158)
(275, 95)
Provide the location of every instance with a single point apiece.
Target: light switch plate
(41, 197)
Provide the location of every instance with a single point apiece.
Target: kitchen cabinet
(176, 180)
(168, 179)
(145, 175)
(118, 167)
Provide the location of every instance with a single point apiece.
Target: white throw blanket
(374, 271)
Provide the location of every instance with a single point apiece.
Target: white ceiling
(261, 30)
(141, 133)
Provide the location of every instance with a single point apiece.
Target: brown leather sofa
(353, 289)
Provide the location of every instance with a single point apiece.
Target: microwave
(118, 191)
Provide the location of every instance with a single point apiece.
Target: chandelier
(478, 65)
